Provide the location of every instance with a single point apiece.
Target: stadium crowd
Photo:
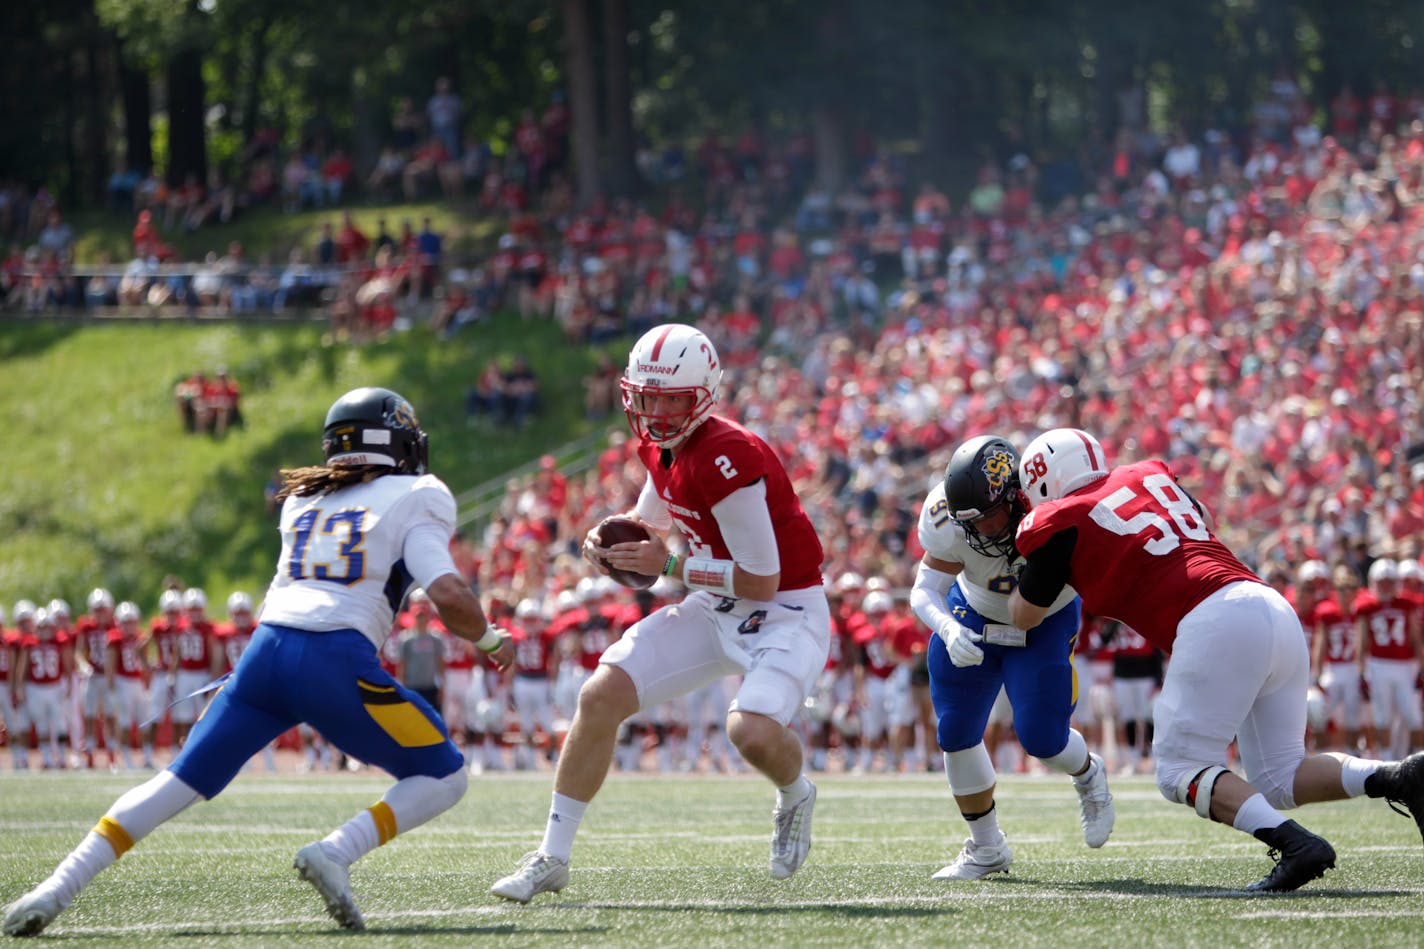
(1245, 303)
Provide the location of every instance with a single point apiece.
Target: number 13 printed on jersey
(315, 551)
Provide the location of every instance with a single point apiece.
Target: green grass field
(681, 861)
(103, 489)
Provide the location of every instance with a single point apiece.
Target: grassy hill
(102, 487)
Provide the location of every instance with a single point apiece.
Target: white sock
(985, 830)
(1255, 814)
(353, 839)
(565, 814)
(1353, 772)
(1083, 779)
(83, 864)
(797, 790)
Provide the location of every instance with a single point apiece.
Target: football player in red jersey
(163, 635)
(127, 673)
(17, 729)
(1333, 658)
(199, 662)
(91, 650)
(1389, 650)
(1138, 548)
(42, 681)
(758, 607)
(535, 664)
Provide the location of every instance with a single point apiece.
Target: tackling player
(961, 592)
(758, 606)
(356, 532)
(1138, 548)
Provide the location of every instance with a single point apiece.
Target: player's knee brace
(970, 771)
(1190, 785)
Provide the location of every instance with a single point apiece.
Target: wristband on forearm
(490, 641)
(707, 573)
(670, 566)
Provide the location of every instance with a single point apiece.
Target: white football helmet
(195, 599)
(170, 601)
(1059, 462)
(1383, 570)
(670, 360)
(848, 582)
(1317, 709)
(528, 609)
(100, 597)
(1312, 571)
(126, 612)
(24, 611)
(567, 601)
(42, 619)
(877, 601)
(238, 602)
(59, 607)
(1409, 569)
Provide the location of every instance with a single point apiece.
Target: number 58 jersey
(348, 557)
(1142, 553)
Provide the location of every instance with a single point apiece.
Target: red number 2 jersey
(718, 458)
(1143, 554)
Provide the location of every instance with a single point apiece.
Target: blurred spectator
(221, 398)
(444, 110)
(188, 394)
(601, 388)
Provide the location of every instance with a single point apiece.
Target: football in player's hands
(624, 530)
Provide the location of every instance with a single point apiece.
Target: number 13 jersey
(348, 557)
(1142, 553)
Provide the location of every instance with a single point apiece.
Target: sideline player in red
(757, 605)
(42, 682)
(1138, 548)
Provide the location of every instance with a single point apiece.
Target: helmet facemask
(999, 543)
(668, 429)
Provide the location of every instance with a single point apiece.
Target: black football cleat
(1401, 784)
(1300, 857)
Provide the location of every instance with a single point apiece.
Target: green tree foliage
(84, 81)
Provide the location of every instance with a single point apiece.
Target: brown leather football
(624, 530)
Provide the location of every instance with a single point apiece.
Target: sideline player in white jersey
(356, 532)
(758, 606)
(961, 592)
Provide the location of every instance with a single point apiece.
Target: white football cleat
(31, 913)
(975, 862)
(537, 873)
(1095, 805)
(791, 835)
(332, 881)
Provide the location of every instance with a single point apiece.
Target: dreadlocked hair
(323, 479)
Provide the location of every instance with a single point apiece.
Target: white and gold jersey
(348, 557)
(985, 580)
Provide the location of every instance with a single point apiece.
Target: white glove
(962, 649)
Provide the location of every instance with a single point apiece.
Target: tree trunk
(828, 132)
(73, 176)
(618, 93)
(138, 114)
(252, 88)
(583, 99)
(96, 141)
(187, 132)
